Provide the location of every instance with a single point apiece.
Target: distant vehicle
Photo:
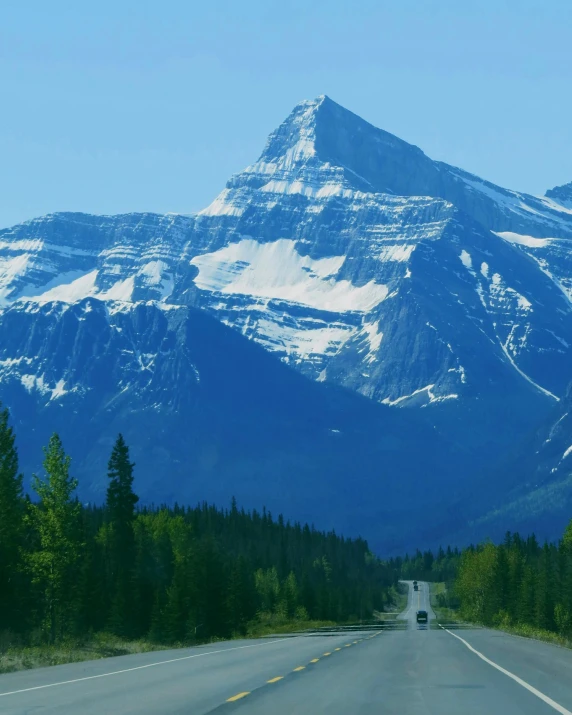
(415, 587)
(422, 617)
(415, 583)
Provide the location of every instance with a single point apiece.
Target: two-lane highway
(415, 671)
(419, 600)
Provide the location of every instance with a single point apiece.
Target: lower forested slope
(169, 574)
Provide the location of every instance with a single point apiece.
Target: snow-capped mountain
(343, 251)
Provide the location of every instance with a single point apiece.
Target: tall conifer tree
(11, 525)
(56, 521)
(121, 501)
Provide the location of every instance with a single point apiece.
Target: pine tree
(11, 527)
(56, 521)
(498, 596)
(240, 597)
(289, 594)
(545, 590)
(120, 504)
(567, 538)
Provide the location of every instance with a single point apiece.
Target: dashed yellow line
(238, 696)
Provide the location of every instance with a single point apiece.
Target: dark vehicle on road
(415, 587)
(422, 617)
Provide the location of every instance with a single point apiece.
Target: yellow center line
(337, 648)
(300, 667)
(356, 642)
(348, 645)
(327, 654)
(275, 680)
(238, 696)
(314, 660)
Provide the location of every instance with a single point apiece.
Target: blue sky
(110, 107)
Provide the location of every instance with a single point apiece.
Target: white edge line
(520, 681)
(140, 667)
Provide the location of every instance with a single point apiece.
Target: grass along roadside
(101, 645)
(537, 634)
(274, 627)
(439, 597)
(105, 645)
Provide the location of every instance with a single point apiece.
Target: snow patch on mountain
(564, 206)
(67, 287)
(529, 241)
(221, 206)
(425, 393)
(156, 274)
(38, 383)
(467, 261)
(374, 337)
(396, 252)
(506, 297)
(301, 343)
(277, 271)
(505, 349)
(10, 269)
(73, 286)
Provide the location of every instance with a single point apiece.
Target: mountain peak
(561, 194)
(318, 125)
(295, 138)
(324, 150)
(321, 141)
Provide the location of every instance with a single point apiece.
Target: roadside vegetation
(83, 581)
(399, 596)
(520, 586)
(15, 657)
(444, 602)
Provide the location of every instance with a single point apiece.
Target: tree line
(426, 566)
(167, 573)
(519, 583)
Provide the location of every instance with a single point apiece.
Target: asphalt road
(417, 670)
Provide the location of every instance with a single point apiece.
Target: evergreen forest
(519, 585)
(170, 574)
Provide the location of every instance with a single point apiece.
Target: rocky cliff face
(345, 253)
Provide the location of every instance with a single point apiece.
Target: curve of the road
(416, 670)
